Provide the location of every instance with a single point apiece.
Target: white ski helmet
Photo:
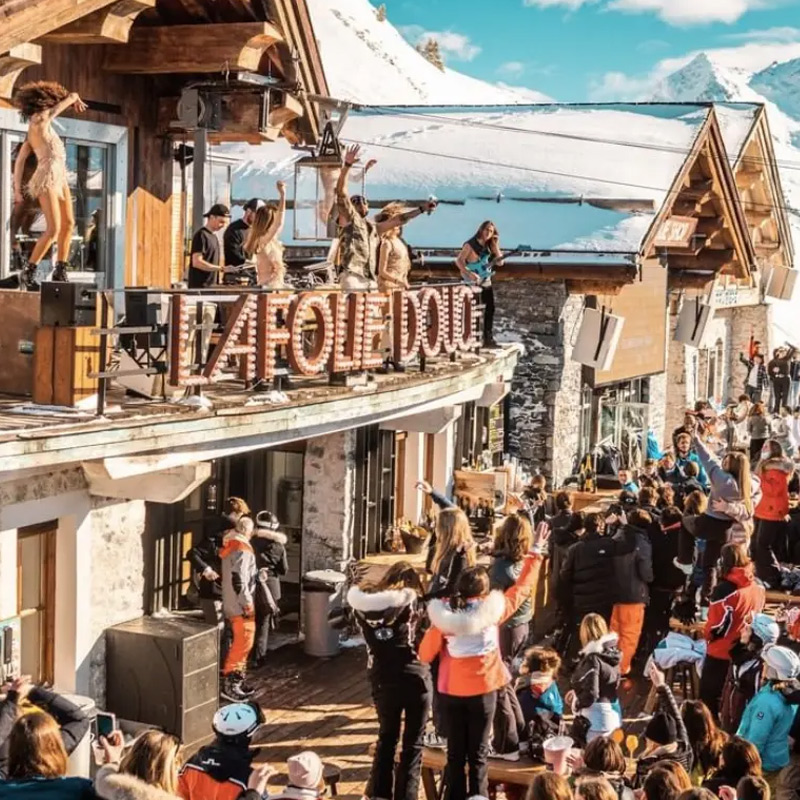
(237, 721)
(782, 663)
(765, 627)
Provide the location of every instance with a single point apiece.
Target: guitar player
(476, 262)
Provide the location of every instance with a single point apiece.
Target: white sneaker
(512, 755)
(430, 739)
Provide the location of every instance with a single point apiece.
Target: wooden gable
(702, 231)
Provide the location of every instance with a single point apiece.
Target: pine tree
(432, 52)
(380, 12)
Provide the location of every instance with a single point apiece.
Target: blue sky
(566, 48)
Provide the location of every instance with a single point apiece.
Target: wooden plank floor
(322, 705)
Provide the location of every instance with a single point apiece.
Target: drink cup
(556, 750)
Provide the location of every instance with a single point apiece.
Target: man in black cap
(236, 233)
(205, 267)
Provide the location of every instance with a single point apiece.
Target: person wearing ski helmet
(745, 672)
(768, 717)
(221, 770)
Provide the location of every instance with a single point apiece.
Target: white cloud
(673, 12)
(511, 68)
(785, 34)
(452, 45)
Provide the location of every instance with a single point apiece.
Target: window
(96, 160)
(375, 489)
(715, 372)
(36, 588)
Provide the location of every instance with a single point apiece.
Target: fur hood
(478, 616)
(601, 645)
(112, 785)
(375, 602)
(273, 536)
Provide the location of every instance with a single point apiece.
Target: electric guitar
(484, 267)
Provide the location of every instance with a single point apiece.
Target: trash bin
(321, 593)
(80, 761)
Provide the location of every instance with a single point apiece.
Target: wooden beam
(746, 178)
(689, 280)
(39, 17)
(757, 218)
(602, 288)
(706, 260)
(767, 247)
(698, 191)
(13, 62)
(107, 26)
(210, 48)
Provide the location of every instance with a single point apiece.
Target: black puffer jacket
(587, 582)
(664, 547)
(390, 621)
(270, 549)
(633, 565)
(596, 677)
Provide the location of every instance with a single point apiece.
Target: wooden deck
(322, 705)
(325, 705)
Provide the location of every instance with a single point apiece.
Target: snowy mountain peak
(701, 80)
(780, 83)
(367, 61)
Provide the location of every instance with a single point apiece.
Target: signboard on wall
(730, 294)
(676, 232)
(324, 332)
(642, 347)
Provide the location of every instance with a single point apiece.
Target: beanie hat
(305, 770)
(662, 729)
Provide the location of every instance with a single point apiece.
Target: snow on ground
(368, 61)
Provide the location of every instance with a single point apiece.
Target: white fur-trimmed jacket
(466, 640)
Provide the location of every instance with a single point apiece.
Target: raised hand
(424, 487)
(281, 187)
(351, 154)
(656, 675)
(541, 536)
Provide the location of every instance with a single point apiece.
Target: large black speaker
(164, 672)
(69, 305)
(145, 308)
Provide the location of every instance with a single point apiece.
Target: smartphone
(105, 724)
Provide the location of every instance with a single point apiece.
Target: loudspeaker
(598, 338)
(164, 672)
(780, 282)
(68, 305)
(693, 320)
(146, 308)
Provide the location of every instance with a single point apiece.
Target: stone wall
(744, 322)
(658, 406)
(545, 391)
(117, 577)
(328, 501)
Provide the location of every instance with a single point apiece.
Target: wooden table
(782, 598)
(595, 501)
(518, 773)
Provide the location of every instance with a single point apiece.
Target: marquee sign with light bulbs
(321, 332)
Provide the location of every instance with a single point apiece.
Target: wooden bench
(518, 773)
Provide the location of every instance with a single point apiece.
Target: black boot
(60, 272)
(27, 277)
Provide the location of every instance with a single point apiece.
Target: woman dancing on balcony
(40, 103)
(476, 262)
(263, 242)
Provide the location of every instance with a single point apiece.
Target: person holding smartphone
(73, 724)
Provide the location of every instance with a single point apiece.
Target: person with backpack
(747, 666)
(390, 614)
(269, 547)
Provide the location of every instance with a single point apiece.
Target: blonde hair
(513, 538)
(738, 465)
(155, 759)
(263, 220)
(593, 627)
(453, 534)
(35, 748)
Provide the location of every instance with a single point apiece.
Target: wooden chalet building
(99, 504)
(628, 207)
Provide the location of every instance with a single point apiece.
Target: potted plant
(415, 538)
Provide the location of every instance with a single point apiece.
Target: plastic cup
(556, 750)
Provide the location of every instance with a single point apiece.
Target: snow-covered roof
(510, 164)
(736, 121)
